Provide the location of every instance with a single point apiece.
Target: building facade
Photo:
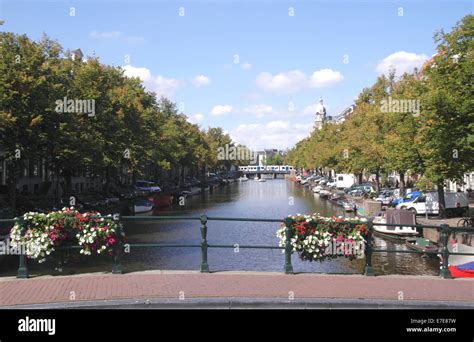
(320, 114)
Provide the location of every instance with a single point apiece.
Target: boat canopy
(397, 216)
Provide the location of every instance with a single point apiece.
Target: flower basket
(319, 238)
(42, 234)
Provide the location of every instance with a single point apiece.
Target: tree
(447, 122)
(401, 148)
(24, 85)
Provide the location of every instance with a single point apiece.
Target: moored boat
(194, 190)
(143, 205)
(336, 196)
(461, 266)
(324, 193)
(162, 200)
(422, 245)
(348, 206)
(402, 218)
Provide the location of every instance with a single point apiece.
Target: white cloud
(401, 61)
(201, 81)
(259, 110)
(285, 82)
(295, 80)
(274, 134)
(105, 34)
(135, 39)
(159, 84)
(245, 66)
(221, 109)
(325, 78)
(196, 118)
(115, 35)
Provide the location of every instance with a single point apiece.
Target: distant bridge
(266, 169)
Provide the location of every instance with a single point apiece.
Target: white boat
(261, 180)
(194, 190)
(243, 179)
(395, 216)
(317, 189)
(324, 193)
(256, 178)
(348, 206)
(142, 205)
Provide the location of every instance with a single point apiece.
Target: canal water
(271, 199)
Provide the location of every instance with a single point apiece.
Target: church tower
(320, 115)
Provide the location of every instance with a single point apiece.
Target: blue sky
(247, 66)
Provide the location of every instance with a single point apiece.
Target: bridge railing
(204, 245)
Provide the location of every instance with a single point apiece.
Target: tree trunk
(12, 182)
(402, 184)
(360, 177)
(182, 174)
(107, 179)
(68, 183)
(441, 201)
(377, 180)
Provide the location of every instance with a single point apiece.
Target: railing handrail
(251, 219)
(197, 218)
(287, 221)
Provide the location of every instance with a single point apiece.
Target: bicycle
(465, 222)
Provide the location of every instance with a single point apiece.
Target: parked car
(385, 197)
(324, 181)
(365, 188)
(457, 203)
(359, 192)
(359, 185)
(147, 187)
(409, 197)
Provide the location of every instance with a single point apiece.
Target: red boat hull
(457, 273)
(162, 200)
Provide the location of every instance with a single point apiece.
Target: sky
(254, 68)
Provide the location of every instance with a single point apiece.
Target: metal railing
(288, 222)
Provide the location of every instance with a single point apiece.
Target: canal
(271, 199)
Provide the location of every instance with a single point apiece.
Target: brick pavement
(173, 284)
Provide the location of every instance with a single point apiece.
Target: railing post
(22, 267)
(288, 248)
(368, 271)
(444, 271)
(204, 245)
(117, 266)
